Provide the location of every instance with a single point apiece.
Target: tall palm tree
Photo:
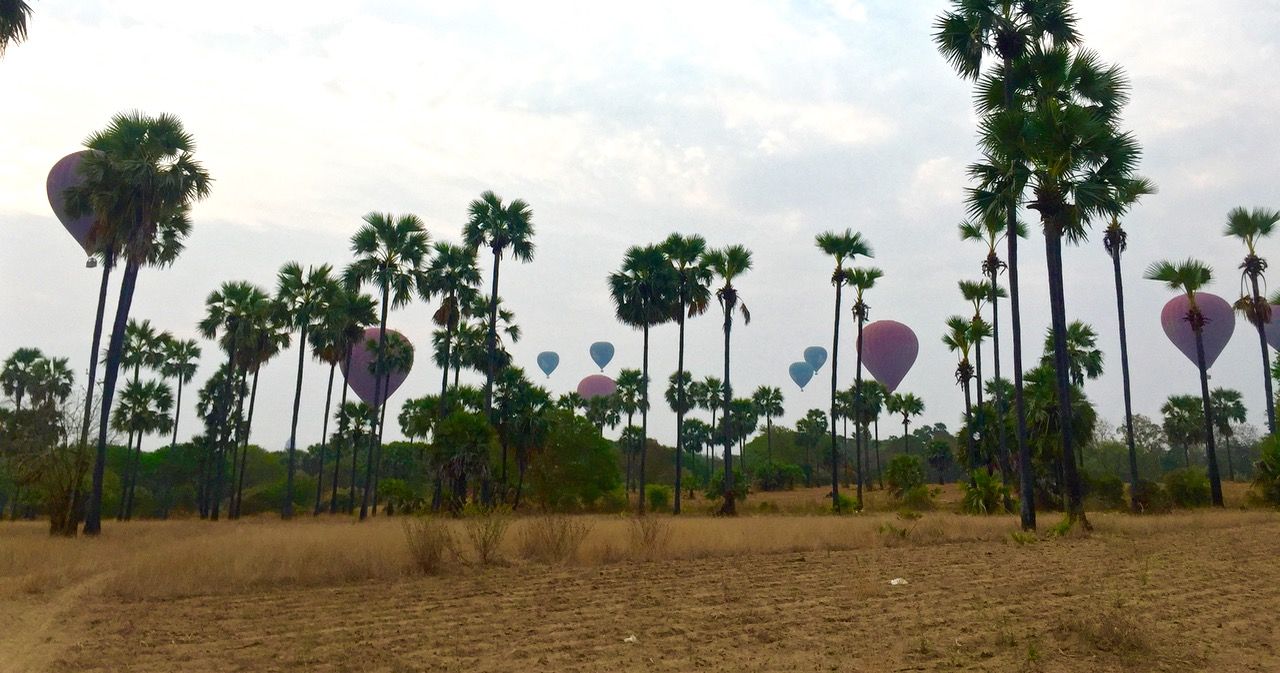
(768, 403)
(843, 247)
(144, 410)
(979, 293)
(390, 254)
(1189, 277)
(143, 347)
(1084, 359)
(1251, 226)
(861, 280)
(1228, 408)
(302, 298)
(693, 297)
(51, 381)
(728, 264)
(181, 357)
(143, 174)
(454, 277)
(1183, 423)
(18, 373)
(13, 22)
(908, 405)
(959, 339)
(1116, 241)
(503, 228)
(264, 337)
(971, 33)
(643, 292)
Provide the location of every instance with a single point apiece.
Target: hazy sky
(761, 123)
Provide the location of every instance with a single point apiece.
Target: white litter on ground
(631, 639)
(897, 581)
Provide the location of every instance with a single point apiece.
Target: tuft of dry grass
(553, 538)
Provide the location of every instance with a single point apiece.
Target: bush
(1188, 487)
(778, 476)
(576, 466)
(554, 538)
(1266, 476)
(1152, 498)
(649, 537)
(903, 474)
(428, 539)
(658, 497)
(848, 503)
(486, 529)
(613, 502)
(715, 490)
(918, 497)
(984, 494)
(1104, 491)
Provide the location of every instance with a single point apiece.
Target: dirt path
(36, 632)
(1183, 601)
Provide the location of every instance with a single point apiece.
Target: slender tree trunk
(177, 413)
(1215, 479)
(244, 442)
(1266, 364)
(1124, 373)
(92, 374)
(644, 418)
(1062, 371)
(879, 472)
(126, 476)
(835, 369)
(351, 492)
(968, 434)
(768, 424)
(1231, 469)
(134, 463)
(377, 457)
(492, 339)
(337, 446)
(729, 508)
(378, 401)
(1002, 446)
(93, 513)
(444, 371)
(857, 396)
(286, 510)
(220, 455)
(680, 402)
(324, 441)
(906, 448)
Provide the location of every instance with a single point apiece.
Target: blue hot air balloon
(816, 356)
(602, 353)
(801, 372)
(548, 361)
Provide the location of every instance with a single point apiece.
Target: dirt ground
(1200, 597)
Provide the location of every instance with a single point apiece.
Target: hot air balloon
(816, 356)
(1220, 323)
(602, 353)
(889, 348)
(801, 373)
(64, 175)
(1272, 329)
(547, 362)
(596, 385)
(361, 377)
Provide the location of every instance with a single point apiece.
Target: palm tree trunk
(835, 369)
(729, 508)
(1058, 311)
(244, 441)
(768, 425)
(93, 351)
(1124, 373)
(93, 514)
(1215, 479)
(377, 458)
(1002, 447)
(324, 440)
(857, 404)
(1231, 469)
(286, 511)
(378, 401)
(444, 371)
(177, 413)
(906, 448)
(1266, 364)
(351, 492)
(492, 339)
(126, 476)
(675, 507)
(879, 472)
(337, 446)
(644, 416)
(968, 434)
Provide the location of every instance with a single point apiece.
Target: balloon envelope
(602, 353)
(889, 349)
(1272, 329)
(1221, 322)
(815, 356)
(596, 385)
(547, 362)
(63, 175)
(361, 377)
(801, 373)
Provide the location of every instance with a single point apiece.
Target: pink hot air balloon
(596, 385)
(1272, 329)
(63, 175)
(1221, 322)
(361, 376)
(889, 348)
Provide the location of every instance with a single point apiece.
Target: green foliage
(575, 468)
(848, 504)
(904, 473)
(613, 502)
(1103, 491)
(1152, 497)
(715, 490)
(658, 497)
(773, 476)
(1188, 487)
(1266, 478)
(985, 494)
(918, 497)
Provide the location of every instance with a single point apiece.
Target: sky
(750, 122)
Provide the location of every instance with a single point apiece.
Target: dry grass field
(764, 592)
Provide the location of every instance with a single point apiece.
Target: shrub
(1152, 498)
(848, 503)
(778, 476)
(486, 529)
(1266, 477)
(553, 538)
(613, 502)
(903, 474)
(715, 490)
(918, 497)
(984, 494)
(428, 539)
(649, 537)
(658, 497)
(1188, 487)
(575, 466)
(1104, 491)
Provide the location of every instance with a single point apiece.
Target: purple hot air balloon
(889, 348)
(361, 377)
(596, 385)
(1220, 323)
(1272, 329)
(63, 175)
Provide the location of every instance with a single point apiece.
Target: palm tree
(502, 228)
(18, 373)
(264, 337)
(908, 405)
(302, 298)
(51, 381)
(391, 254)
(693, 296)
(1116, 241)
(1251, 226)
(1084, 360)
(1189, 277)
(959, 339)
(979, 293)
(967, 35)
(13, 22)
(643, 292)
(1183, 423)
(860, 280)
(768, 403)
(843, 247)
(1228, 408)
(143, 174)
(454, 277)
(143, 347)
(630, 401)
(728, 264)
(144, 410)
(181, 357)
